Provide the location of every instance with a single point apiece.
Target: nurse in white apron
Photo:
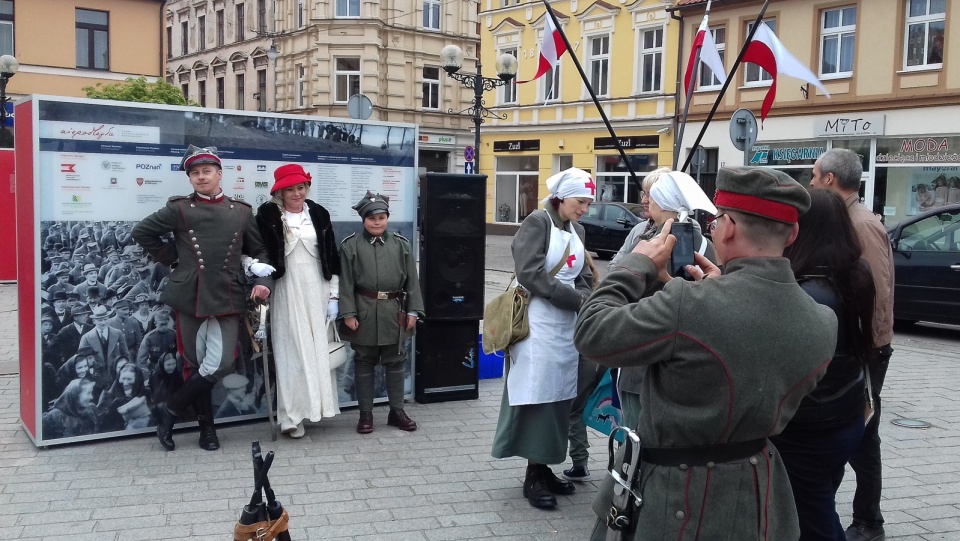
(541, 376)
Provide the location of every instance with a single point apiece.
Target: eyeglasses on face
(713, 224)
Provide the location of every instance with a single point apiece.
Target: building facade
(65, 45)
(218, 52)
(893, 74)
(552, 123)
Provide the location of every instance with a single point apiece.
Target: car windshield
(936, 233)
(634, 208)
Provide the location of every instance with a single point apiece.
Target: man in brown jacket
(728, 359)
(207, 287)
(839, 170)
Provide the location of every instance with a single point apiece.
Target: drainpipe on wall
(676, 93)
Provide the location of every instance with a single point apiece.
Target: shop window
(241, 31)
(923, 44)
(431, 88)
(93, 39)
(515, 188)
(6, 27)
(220, 25)
(651, 60)
(709, 80)
(508, 92)
(754, 74)
(599, 65)
(613, 177)
(347, 76)
(860, 146)
(837, 38)
(914, 175)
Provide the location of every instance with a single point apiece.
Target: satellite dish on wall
(359, 107)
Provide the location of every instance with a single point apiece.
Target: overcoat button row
(191, 232)
(192, 205)
(710, 465)
(196, 246)
(231, 206)
(201, 262)
(202, 267)
(194, 239)
(683, 467)
(753, 460)
(680, 515)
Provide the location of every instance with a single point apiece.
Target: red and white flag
(766, 51)
(551, 49)
(708, 54)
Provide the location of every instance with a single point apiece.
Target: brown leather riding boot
(399, 419)
(365, 424)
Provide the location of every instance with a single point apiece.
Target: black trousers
(866, 460)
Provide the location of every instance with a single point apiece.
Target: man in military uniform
(208, 287)
(123, 322)
(712, 394)
(379, 304)
(162, 339)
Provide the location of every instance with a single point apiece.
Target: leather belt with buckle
(379, 295)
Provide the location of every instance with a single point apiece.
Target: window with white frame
(923, 45)
(348, 8)
(837, 37)
(508, 3)
(708, 80)
(6, 27)
(753, 73)
(599, 51)
(301, 85)
(431, 88)
(551, 84)
(508, 92)
(347, 77)
(651, 60)
(431, 14)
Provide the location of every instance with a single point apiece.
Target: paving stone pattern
(438, 483)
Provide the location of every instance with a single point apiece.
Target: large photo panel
(100, 168)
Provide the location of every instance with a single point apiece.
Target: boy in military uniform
(207, 287)
(379, 304)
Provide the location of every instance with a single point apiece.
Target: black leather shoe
(365, 424)
(399, 419)
(208, 434)
(535, 492)
(862, 532)
(555, 484)
(165, 422)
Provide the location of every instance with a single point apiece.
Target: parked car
(926, 258)
(606, 226)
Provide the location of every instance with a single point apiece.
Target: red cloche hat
(288, 175)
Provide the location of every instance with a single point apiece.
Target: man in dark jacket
(207, 292)
(728, 359)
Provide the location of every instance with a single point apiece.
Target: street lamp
(451, 58)
(8, 68)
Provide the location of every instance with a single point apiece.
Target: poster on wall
(102, 348)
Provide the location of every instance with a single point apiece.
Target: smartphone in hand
(682, 254)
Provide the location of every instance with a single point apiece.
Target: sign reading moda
(918, 150)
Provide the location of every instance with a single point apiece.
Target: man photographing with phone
(726, 360)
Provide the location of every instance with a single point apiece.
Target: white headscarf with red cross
(572, 182)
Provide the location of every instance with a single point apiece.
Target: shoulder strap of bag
(703, 246)
(563, 259)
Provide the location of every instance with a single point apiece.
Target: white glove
(333, 309)
(261, 269)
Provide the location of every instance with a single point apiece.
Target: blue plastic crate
(491, 366)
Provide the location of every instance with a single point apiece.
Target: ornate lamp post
(8, 68)
(451, 58)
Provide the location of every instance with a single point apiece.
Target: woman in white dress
(301, 246)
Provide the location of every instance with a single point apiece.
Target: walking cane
(265, 350)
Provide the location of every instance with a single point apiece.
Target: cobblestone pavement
(438, 483)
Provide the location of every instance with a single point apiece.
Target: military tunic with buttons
(371, 266)
(727, 360)
(211, 236)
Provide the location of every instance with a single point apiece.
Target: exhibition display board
(87, 172)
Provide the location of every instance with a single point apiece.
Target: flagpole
(678, 140)
(603, 115)
(723, 89)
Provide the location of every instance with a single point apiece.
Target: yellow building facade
(65, 45)
(628, 53)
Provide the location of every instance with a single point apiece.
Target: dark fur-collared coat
(271, 229)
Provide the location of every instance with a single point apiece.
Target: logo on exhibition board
(261, 199)
(261, 168)
(68, 168)
(260, 184)
(140, 181)
(105, 164)
(174, 166)
(113, 181)
(75, 199)
(148, 166)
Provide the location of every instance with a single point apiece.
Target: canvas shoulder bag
(505, 320)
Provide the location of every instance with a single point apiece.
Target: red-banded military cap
(196, 155)
(763, 192)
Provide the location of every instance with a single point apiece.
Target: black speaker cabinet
(448, 361)
(452, 245)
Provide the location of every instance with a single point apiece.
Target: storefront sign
(785, 154)
(630, 141)
(919, 150)
(849, 125)
(434, 139)
(516, 146)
